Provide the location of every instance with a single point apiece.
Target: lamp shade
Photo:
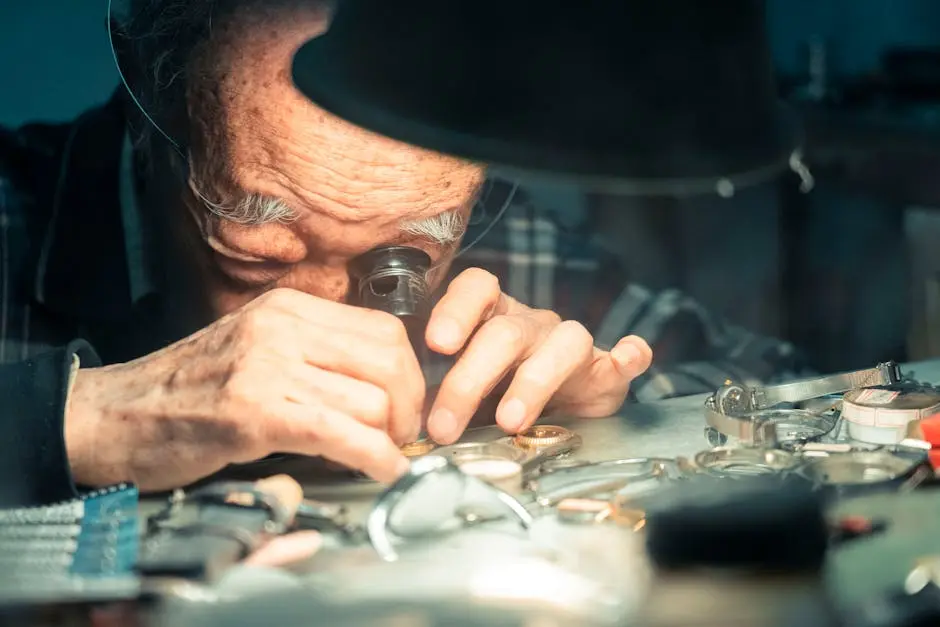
(670, 96)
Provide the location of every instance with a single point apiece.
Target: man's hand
(286, 373)
(553, 365)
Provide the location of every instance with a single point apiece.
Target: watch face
(732, 400)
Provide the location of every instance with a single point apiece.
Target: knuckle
(553, 319)
(375, 405)
(390, 367)
(388, 326)
(462, 386)
(535, 376)
(251, 326)
(506, 331)
(576, 331)
(482, 280)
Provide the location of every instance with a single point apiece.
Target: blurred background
(849, 273)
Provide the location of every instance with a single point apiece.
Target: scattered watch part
(598, 511)
(915, 444)
(823, 449)
(741, 427)
(769, 428)
(731, 409)
(798, 426)
(561, 463)
(736, 462)
(926, 571)
(625, 512)
(418, 448)
(445, 479)
(858, 468)
(472, 516)
(880, 415)
(732, 399)
(505, 474)
(542, 436)
(601, 478)
(714, 437)
(582, 510)
(457, 453)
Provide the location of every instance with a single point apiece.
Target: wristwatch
(741, 412)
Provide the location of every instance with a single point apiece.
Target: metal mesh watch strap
(882, 374)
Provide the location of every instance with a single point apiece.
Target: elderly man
(205, 269)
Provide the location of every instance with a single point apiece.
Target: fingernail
(625, 354)
(444, 423)
(511, 414)
(445, 333)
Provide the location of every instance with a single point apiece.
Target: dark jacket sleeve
(695, 351)
(34, 467)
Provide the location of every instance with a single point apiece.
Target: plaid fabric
(550, 262)
(543, 258)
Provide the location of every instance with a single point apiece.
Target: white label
(859, 415)
(894, 418)
(876, 397)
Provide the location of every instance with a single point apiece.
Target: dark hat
(664, 96)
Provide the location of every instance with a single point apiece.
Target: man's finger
(313, 310)
(631, 356)
(471, 299)
(364, 401)
(337, 437)
(285, 550)
(568, 349)
(395, 369)
(497, 347)
(603, 389)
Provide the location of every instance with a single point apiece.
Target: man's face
(349, 190)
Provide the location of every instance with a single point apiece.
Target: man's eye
(252, 273)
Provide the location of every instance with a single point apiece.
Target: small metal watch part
(499, 472)
(858, 468)
(640, 474)
(380, 533)
(464, 451)
(732, 400)
(596, 511)
(418, 448)
(541, 436)
(727, 462)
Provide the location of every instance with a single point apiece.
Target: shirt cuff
(33, 458)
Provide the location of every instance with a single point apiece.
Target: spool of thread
(880, 415)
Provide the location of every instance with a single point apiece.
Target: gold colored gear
(419, 448)
(541, 436)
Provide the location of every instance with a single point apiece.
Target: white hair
(250, 209)
(443, 228)
(256, 209)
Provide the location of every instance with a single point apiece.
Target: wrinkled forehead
(255, 129)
